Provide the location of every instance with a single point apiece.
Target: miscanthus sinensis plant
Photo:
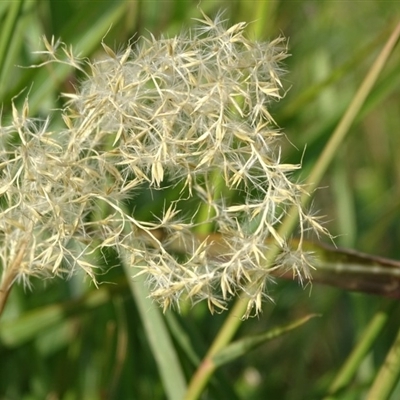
(187, 115)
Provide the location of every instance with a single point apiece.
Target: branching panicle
(190, 111)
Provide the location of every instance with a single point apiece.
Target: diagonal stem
(232, 323)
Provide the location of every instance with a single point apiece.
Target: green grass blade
(361, 349)
(387, 378)
(17, 332)
(241, 347)
(158, 337)
(7, 32)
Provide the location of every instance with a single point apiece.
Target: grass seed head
(191, 111)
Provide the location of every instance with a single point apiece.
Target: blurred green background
(69, 340)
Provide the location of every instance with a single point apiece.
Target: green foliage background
(69, 340)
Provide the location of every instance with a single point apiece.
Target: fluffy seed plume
(183, 123)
